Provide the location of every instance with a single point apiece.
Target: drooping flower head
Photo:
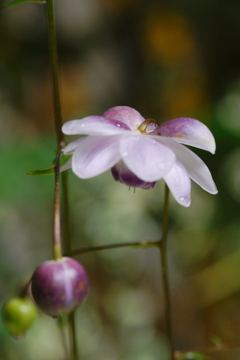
(139, 152)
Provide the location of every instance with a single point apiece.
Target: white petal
(95, 155)
(94, 125)
(196, 168)
(189, 132)
(179, 183)
(146, 157)
(69, 149)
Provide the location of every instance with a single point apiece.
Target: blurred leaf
(48, 171)
(18, 2)
(216, 340)
(192, 355)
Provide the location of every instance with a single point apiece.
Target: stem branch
(133, 244)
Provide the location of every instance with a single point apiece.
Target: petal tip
(185, 201)
(212, 146)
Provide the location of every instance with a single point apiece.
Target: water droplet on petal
(153, 142)
(118, 125)
(125, 153)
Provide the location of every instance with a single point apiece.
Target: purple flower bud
(59, 287)
(121, 173)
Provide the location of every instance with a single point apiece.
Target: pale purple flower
(139, 152)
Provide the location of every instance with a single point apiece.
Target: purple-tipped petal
(120, 172)
(196, 168)
(179, 183)
(129, 116)
(95, 125)
(147, 158)
(95, 155)
(189, 132)
(69, 149)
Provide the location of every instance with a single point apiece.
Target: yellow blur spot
(169, 37)
(81, 285)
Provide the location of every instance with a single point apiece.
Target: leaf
(18, 2)
(48, 171)
(192, 355)
(65, 158)
(216, 340)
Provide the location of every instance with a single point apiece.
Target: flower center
(147, 126)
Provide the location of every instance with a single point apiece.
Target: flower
(139, 152)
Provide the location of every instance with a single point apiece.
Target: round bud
(18, 316)
(59, 287)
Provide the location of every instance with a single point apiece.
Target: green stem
(60, 136)
(66, 213)
(72, 320)
(57, 249)
(164, 261)
(68, 247)
(55, 72)
(133, 244)
(63, 336)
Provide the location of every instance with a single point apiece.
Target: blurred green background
(167, 59)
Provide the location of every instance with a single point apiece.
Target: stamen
(147, 126)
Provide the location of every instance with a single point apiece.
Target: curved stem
(164, 261)
(133, 244)
(49, 6)
(24, 289)
(57, 249)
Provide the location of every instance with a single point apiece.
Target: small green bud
(18, 316)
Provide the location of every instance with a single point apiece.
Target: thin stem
(63, 336)
(134, 244)
(164, 261)
(57, 251)
(72, 320)
(24, 289)
(66, 213)
(60, 136)
(68, 247)
(54, 70)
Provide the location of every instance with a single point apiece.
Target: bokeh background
(167, 59)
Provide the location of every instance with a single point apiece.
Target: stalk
(165, 275)
(53, 54)
(57, 248)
